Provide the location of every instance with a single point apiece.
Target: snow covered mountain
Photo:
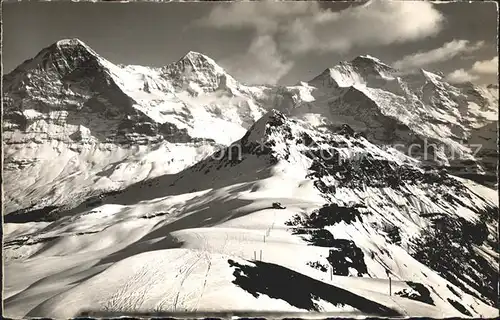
(76, 124)
(404, 109)
(170, 203)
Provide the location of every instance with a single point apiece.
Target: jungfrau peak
(176, 188)
(395, 108)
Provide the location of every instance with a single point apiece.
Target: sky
(267, 42)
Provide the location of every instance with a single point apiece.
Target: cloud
(375, 23)
(486, 66)
(460, 76)
(261, 64)
(446, 52)
(303, 27)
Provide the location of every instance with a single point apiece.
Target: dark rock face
(393, 233)
(70, 62)
(171, 133)
(459, 307)
(17, 119)
(277, 119)
(346, 255)
(421, 293)
(70, 78)
(343, 254)
(374, 172)
(29, 215)
(346, 130)
(275, 123)
(329, 215)
(317, 265)
(190, 67)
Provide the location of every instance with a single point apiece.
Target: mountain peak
(197, 62)
(367, 57)
(71, 46)
(195, 55)
(430, 75)
(360, 70)
(55, 61)
(364, 60)
(197, 69)
(72, 42)
(259, 131)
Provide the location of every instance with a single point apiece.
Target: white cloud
(264, 16)
(446, 52)
(303, 27)
(372, 24)
(460, 76)
(486, 66)
(262, 64)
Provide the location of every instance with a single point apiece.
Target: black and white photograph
(300, 159)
